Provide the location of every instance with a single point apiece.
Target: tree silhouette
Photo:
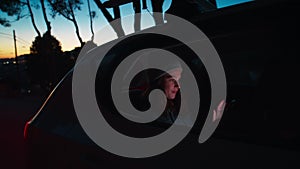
(46, 63)
(92, 15)
(4, 22)
(32, 18)
(67, 9)
(11, 8)
(16, 8)
(48, 24)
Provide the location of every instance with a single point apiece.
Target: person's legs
(117, 22)
(157, 6)
(137, 18)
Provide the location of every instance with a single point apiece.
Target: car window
(56, 115)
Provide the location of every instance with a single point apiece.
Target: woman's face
(171, 83)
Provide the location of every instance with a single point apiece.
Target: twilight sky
(64, 30)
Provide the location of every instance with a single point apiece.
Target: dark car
(257, 43)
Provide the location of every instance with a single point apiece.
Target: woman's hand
(217, 113)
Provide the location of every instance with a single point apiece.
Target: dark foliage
(11, 8)
(47, 64)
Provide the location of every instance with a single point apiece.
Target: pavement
(15, 111)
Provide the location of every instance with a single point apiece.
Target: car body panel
(259, 129)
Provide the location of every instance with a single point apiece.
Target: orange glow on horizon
(7, 50)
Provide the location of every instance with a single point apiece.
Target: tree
(16, 8)
(67, 8)
(32, 18)
(46, 61)
(11, 8)
(48, 24)
(92, 15)
(4, 22)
